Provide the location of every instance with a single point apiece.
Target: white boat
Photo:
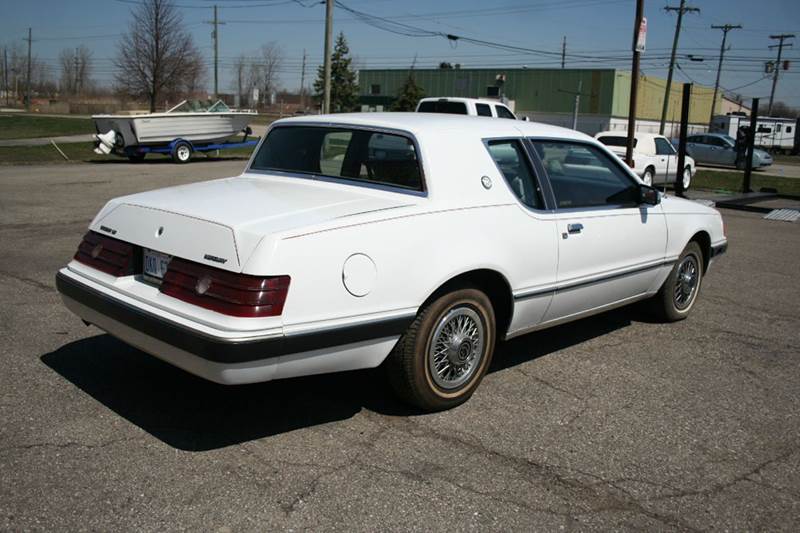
(193, 121)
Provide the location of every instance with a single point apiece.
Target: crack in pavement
(28, 281)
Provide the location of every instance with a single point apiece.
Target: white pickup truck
(655, 160)
(465, 106)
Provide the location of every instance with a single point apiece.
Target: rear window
(615, 140)
(353, 154)
(443, 106)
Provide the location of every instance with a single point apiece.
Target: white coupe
(411, 239)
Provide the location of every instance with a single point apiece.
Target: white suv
(465, 106)
(655, 160)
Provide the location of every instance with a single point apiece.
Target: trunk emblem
(203, 284)
(96, 251)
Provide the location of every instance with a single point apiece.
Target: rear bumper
(227, 360)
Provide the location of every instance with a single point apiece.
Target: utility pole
(77, 72)
(326, 93)
(5, 74)
(577, 105)
(782, 37)
(215, 35)
(681, 10)
(28, 83)
(563, 50)
(303, 83)
(725, 29)
(637, 50)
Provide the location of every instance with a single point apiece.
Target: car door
(695, 148)
(668, 160)
(530, 229)
(610, 247)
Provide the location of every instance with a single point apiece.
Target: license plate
(155, 264)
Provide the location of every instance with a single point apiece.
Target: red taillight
(106, 254)
(225, 292)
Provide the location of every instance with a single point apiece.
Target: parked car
(465, 106)
(409, 239)
(655, 159)
(720, 149)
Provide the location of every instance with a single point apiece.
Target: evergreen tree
(409, 95)
(344, 89)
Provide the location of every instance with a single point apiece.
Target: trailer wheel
(181, 152)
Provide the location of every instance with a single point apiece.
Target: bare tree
(41, 79)
(264, 72)
(75, 70)
(157, 58)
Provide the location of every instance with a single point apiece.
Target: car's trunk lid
(221, 222)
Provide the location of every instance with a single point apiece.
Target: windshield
(615, 140)
(360, 155)
(200, 106)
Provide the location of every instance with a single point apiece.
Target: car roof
(421, 124)
(461, 99)
(637, 135)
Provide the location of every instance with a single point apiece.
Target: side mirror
(648, 195)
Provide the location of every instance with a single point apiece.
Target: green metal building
(548, 95)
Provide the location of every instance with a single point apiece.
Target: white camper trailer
(772, 133)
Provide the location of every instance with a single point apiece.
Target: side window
(583, 176)
(694, 139)
(510, 158)
(663, 147)
(334, 147)
(483, 110)
(715, 141)
(503, 112)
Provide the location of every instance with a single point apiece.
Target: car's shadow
(193, 414)
(164, 160)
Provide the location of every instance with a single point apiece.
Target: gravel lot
(613, 422)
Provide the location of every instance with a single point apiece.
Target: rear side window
(503, 112)
(483, 110)
(582, 175)
(615, 140)
(443, 106)
(353, 154)
(510, 158)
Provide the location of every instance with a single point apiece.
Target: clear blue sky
(592, 27)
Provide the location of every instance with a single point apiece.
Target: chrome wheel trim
(457, 347)
(183, 153)
(687, 178)
(686, 282)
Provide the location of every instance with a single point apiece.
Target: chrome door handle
(574, 228)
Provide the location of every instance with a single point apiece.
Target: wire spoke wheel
(456, 348)
(686, 282)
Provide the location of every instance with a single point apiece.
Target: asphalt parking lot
(613, 422)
